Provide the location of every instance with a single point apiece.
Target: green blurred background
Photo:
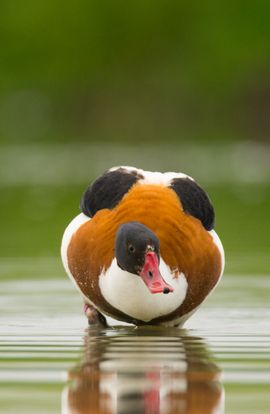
(162, 85)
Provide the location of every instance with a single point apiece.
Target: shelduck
(143, 250)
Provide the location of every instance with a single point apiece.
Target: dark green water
(52, 363)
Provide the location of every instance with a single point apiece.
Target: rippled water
(52, 363)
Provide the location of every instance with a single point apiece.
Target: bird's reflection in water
(144, 370)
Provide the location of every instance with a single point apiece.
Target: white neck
(128, 293)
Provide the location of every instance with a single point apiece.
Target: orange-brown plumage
(185, 245)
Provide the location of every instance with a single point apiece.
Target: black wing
(107, 191)
(195, 201)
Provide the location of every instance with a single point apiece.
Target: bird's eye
(131, 248)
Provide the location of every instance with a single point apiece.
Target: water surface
(51, 362)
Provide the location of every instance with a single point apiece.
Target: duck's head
(137, 251)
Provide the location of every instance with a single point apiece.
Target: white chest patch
(129, 294)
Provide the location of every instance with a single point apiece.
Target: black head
(133, 241)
